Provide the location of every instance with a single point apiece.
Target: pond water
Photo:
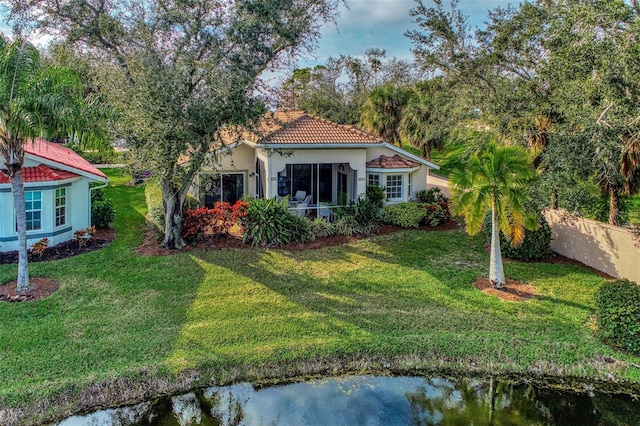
(369, 400)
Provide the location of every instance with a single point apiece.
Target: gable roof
(60, 154)
(40, 173)
(395, 162)
(300, 127)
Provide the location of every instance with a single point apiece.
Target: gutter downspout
(91, 189)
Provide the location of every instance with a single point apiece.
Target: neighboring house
(57, 193)
(293, 152)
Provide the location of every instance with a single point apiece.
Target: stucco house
(293, 153)
(57, 185)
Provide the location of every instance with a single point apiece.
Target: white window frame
(373, 179)
(392, 187)
(32, 210)
(60, 208)
(409, 185)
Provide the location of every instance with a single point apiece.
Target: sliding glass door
(227, 187)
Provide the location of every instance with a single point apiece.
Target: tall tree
(179, 72)
(35, 101)
(545, 73)
(429, 116)
(382, 111)
(494, 181)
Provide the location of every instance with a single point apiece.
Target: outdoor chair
(299, 197)
(300, 209)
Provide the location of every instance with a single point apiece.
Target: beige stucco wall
(419, 177)
(610, 249)
(240, 159)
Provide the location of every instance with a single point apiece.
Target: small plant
(267, 222)
(617, 314)
(432, 195)
(40, 246)
(102, 210)
(83, 236)
(405, 215)
(320, 227)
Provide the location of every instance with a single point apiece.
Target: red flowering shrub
(217, 221)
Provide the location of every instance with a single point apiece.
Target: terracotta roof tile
(395, 162)
(60, 154)
(300, 127)
(40, 173)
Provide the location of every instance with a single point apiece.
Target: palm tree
(32, 101)
(418, 127)
(494, 181)
(382, 111)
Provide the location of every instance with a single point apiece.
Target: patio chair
(307, 199)
(299, 197)
(301, 209)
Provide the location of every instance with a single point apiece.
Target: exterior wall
(276, 162)
(241, 159)
(610, 249)
(78, 213)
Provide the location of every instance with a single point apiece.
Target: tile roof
(395, 162)
(40, 173)
(60, 154)
(300, 127)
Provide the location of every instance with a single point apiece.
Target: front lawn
(123, 326)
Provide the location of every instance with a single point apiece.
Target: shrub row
(218, 221)
(413, 215)
(618, 314)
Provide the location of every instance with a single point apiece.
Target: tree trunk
(17, 189)
(172, 199)
(496, 272)
(614, 207)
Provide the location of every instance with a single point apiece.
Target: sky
(382, 24)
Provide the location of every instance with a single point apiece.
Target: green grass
(123, 324)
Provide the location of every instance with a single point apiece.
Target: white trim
(61, 166)
(396, 171)
(324, 145)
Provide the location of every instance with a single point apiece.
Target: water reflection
(367, 400)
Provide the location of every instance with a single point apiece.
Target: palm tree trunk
(614, 206)
(172, 199)
(496, 271)
(17, 189)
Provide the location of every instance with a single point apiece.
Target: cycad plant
(494, 181)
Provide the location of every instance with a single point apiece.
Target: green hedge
(102, 210)
(618, 314)
(406, 215)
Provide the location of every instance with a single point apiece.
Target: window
(61, 206)
(394, 187)
(33, 204)
(374, 179)
(409, 185)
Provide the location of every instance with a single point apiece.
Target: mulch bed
(101, 239)
(514, 290)
(151, 246)
(41, 287)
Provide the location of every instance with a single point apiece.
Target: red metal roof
(40, 173)
(395, 162)
(60, 154)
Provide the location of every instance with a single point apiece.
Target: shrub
(320, 227)
(617, 314)
(436, 213)
(406, 215)
(346, 225)
(155, 208)
(40, 246)
(218, 221)
(102, 210)
(267, 222)
(534, 246)
(428, 196)
(376, 195)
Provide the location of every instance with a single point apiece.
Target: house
(58, 189)
(293, 153)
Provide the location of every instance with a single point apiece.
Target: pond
(371, 400)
